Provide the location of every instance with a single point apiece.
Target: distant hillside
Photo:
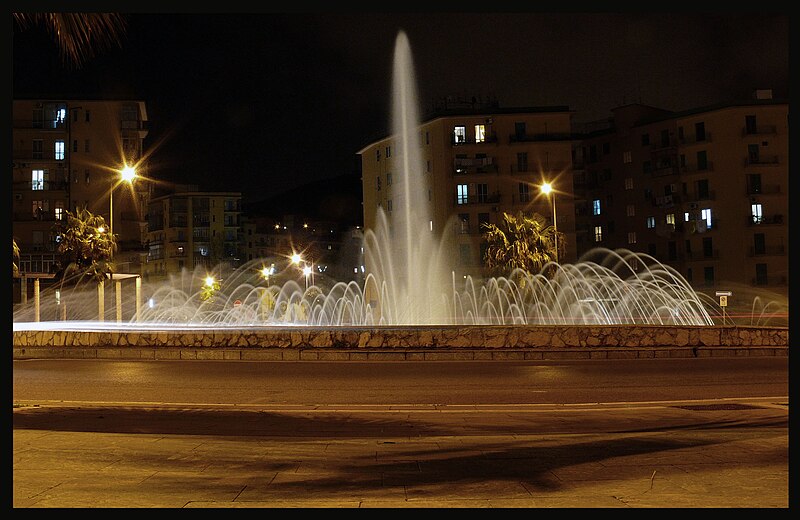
(337, 199)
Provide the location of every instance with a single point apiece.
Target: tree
(79, 36)
(15, 257)
(520, 242)
(85, 246)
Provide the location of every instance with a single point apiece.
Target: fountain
(408, 281)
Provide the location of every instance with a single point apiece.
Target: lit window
(629, 183)
(632, 237)
(59, 210)
(630, 210)
(598, 233)
(480, 133)
(705, 214)
(524, 192)
(460, 134)
(37, 180)
(651, 222)
(462, 191)
(671, 218)
(626, 157)
(757, 213)
(686, 216)
(596, 207)
(59, 150)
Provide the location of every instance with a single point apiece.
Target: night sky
(264, 102)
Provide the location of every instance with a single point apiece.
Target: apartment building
(704, 191)
(190, 228)
(68, 154)
(479, 162)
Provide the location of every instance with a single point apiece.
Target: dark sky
(264, 102)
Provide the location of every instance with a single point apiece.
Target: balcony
(463, 166)
(768, 280)
(550, 136)
(778, 250)
(764, 189)
(473, 200)
(489, 138)
(698, 197)
(771, 220)
(760, 130)
(693, 139)
(691, 169)
(697, 256)
(666, 201)
(664, 171)
(761, 160)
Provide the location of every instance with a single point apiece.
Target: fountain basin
(396, 342)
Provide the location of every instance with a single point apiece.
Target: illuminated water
(408, 281)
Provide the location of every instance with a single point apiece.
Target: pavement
(715, 454)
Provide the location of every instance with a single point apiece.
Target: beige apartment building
(704, 191)
(69, 154)
(191, 228)
(479, 163)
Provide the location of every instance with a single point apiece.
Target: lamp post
(127, 175)
(547, 189)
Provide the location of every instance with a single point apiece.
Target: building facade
(704, 191)
(187, 229)
(68, 154)
(479, 163)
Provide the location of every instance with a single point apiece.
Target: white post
(36, 298)
(118, 296)
(138, 297)
(24, 293)
(101, 304)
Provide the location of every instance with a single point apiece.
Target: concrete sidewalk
(650, 455)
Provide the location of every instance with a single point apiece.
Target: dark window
(708, 275)
(672, 250)
(759, 244)
(750, 124)
(689, 274)
(700, 131)
(708, 250)
(465, 254)
(754, 183)
(593, 153)
(752, 153)
(702, 189)
(645, 139)
(761, 274)
(689, 247)
(665, 138)
(606, 148)
(647, 167)
(522, 161)
(519, 130)
(702, 160)
(651, 249)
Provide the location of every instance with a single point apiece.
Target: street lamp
(127, 174)
(266, 272)
(547, 189)
(307, 271)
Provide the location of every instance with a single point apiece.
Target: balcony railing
(760, 130)
(489, 138)
(778, 250)
(696, 256)
(693, 139)
(770, 220)
(697, 197)
(761, 160)
(768, 280)
(689, 169)
(550, 136)
(764, 189)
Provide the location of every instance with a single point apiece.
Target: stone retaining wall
(415, 337)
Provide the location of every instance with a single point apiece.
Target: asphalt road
(473, 382)
(209, 434)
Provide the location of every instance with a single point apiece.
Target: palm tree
(520, 242)
(85, 246)
(15, 257)
(79, 36)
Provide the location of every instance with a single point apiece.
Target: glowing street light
(547, 190)
(296, 258)
(266, 272)
(307, 272)
(209, 281)
(127, 174)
